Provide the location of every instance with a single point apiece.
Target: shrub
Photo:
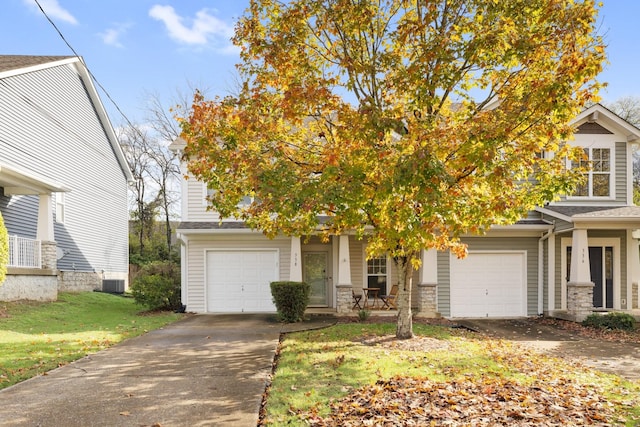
(291, 300)
(363, 315)
(157, 286)
(614, 320)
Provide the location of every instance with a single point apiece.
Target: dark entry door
(601, 265)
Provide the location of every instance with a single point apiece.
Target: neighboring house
(547, 263)
(63, 180)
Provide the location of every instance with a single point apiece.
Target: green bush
(613, 320)
(291, 300)
(157, 286)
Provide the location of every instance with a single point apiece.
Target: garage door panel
(491, 284)
(239, 281)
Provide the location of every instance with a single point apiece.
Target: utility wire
(95, 80)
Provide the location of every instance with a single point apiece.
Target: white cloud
(205, 28)
(111, 36)
(53, 9)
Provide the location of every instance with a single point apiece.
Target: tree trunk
(404, 327)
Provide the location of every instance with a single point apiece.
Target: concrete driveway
(621, 358)
(205, 370)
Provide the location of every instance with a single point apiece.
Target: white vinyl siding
(50, 113)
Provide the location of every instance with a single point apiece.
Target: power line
(95, 80)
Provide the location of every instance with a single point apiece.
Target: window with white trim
(377, 273)
(599, 177)
(208, 192)
(60, 207)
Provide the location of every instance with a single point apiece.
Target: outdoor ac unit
(113, 286)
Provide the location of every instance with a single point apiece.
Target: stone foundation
(34, 285)
(79, 281)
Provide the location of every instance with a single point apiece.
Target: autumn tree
(408, 123)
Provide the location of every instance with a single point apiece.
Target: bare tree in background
(166, 174)
(628, 108)
(155, 192)
(134, 143)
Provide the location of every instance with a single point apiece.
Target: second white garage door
(489, 284)
(238, 281)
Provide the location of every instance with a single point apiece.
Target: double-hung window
(208, 192)
(598, 176)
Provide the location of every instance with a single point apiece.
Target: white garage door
(238, 281)
(489, 284)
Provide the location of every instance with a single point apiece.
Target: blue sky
(140, 47)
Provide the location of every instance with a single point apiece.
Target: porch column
(295, 266)
(580, 286)
(45, 219)
(427, 286)
(344, 287)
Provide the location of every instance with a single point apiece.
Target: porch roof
(593, 213)
(18, 181)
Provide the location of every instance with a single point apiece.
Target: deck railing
(24, 252)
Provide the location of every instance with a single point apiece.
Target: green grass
(36, 337)
(318, 367)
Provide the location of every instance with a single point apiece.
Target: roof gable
(598, 119)
(18, 64)
(13, 65)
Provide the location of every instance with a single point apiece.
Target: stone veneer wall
(79, 281)
(48, 254)
(427, 300)
(344, 301)
(579, 300)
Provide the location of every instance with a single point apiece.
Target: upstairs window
(60, 207)
(208, 192)
(598, 178)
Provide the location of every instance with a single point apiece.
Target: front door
(314, 272)
(601, 266)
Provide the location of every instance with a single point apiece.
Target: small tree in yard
(408, 122)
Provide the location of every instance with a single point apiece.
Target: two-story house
(565, 259)
(63, 180)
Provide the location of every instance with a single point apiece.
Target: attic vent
(113, 286)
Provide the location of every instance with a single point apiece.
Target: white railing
(24, 252)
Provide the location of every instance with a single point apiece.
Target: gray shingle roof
(227, 225)
(14, 62)
(596, 211)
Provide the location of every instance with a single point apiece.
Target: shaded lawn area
(359, 374)
(36, 337)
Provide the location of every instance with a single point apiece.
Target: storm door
(314, 271)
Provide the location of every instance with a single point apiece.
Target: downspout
(541, 241)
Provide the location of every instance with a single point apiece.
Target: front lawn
(36, 337)
(359, 374)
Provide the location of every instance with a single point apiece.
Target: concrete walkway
(620, 358)
(205, 370)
